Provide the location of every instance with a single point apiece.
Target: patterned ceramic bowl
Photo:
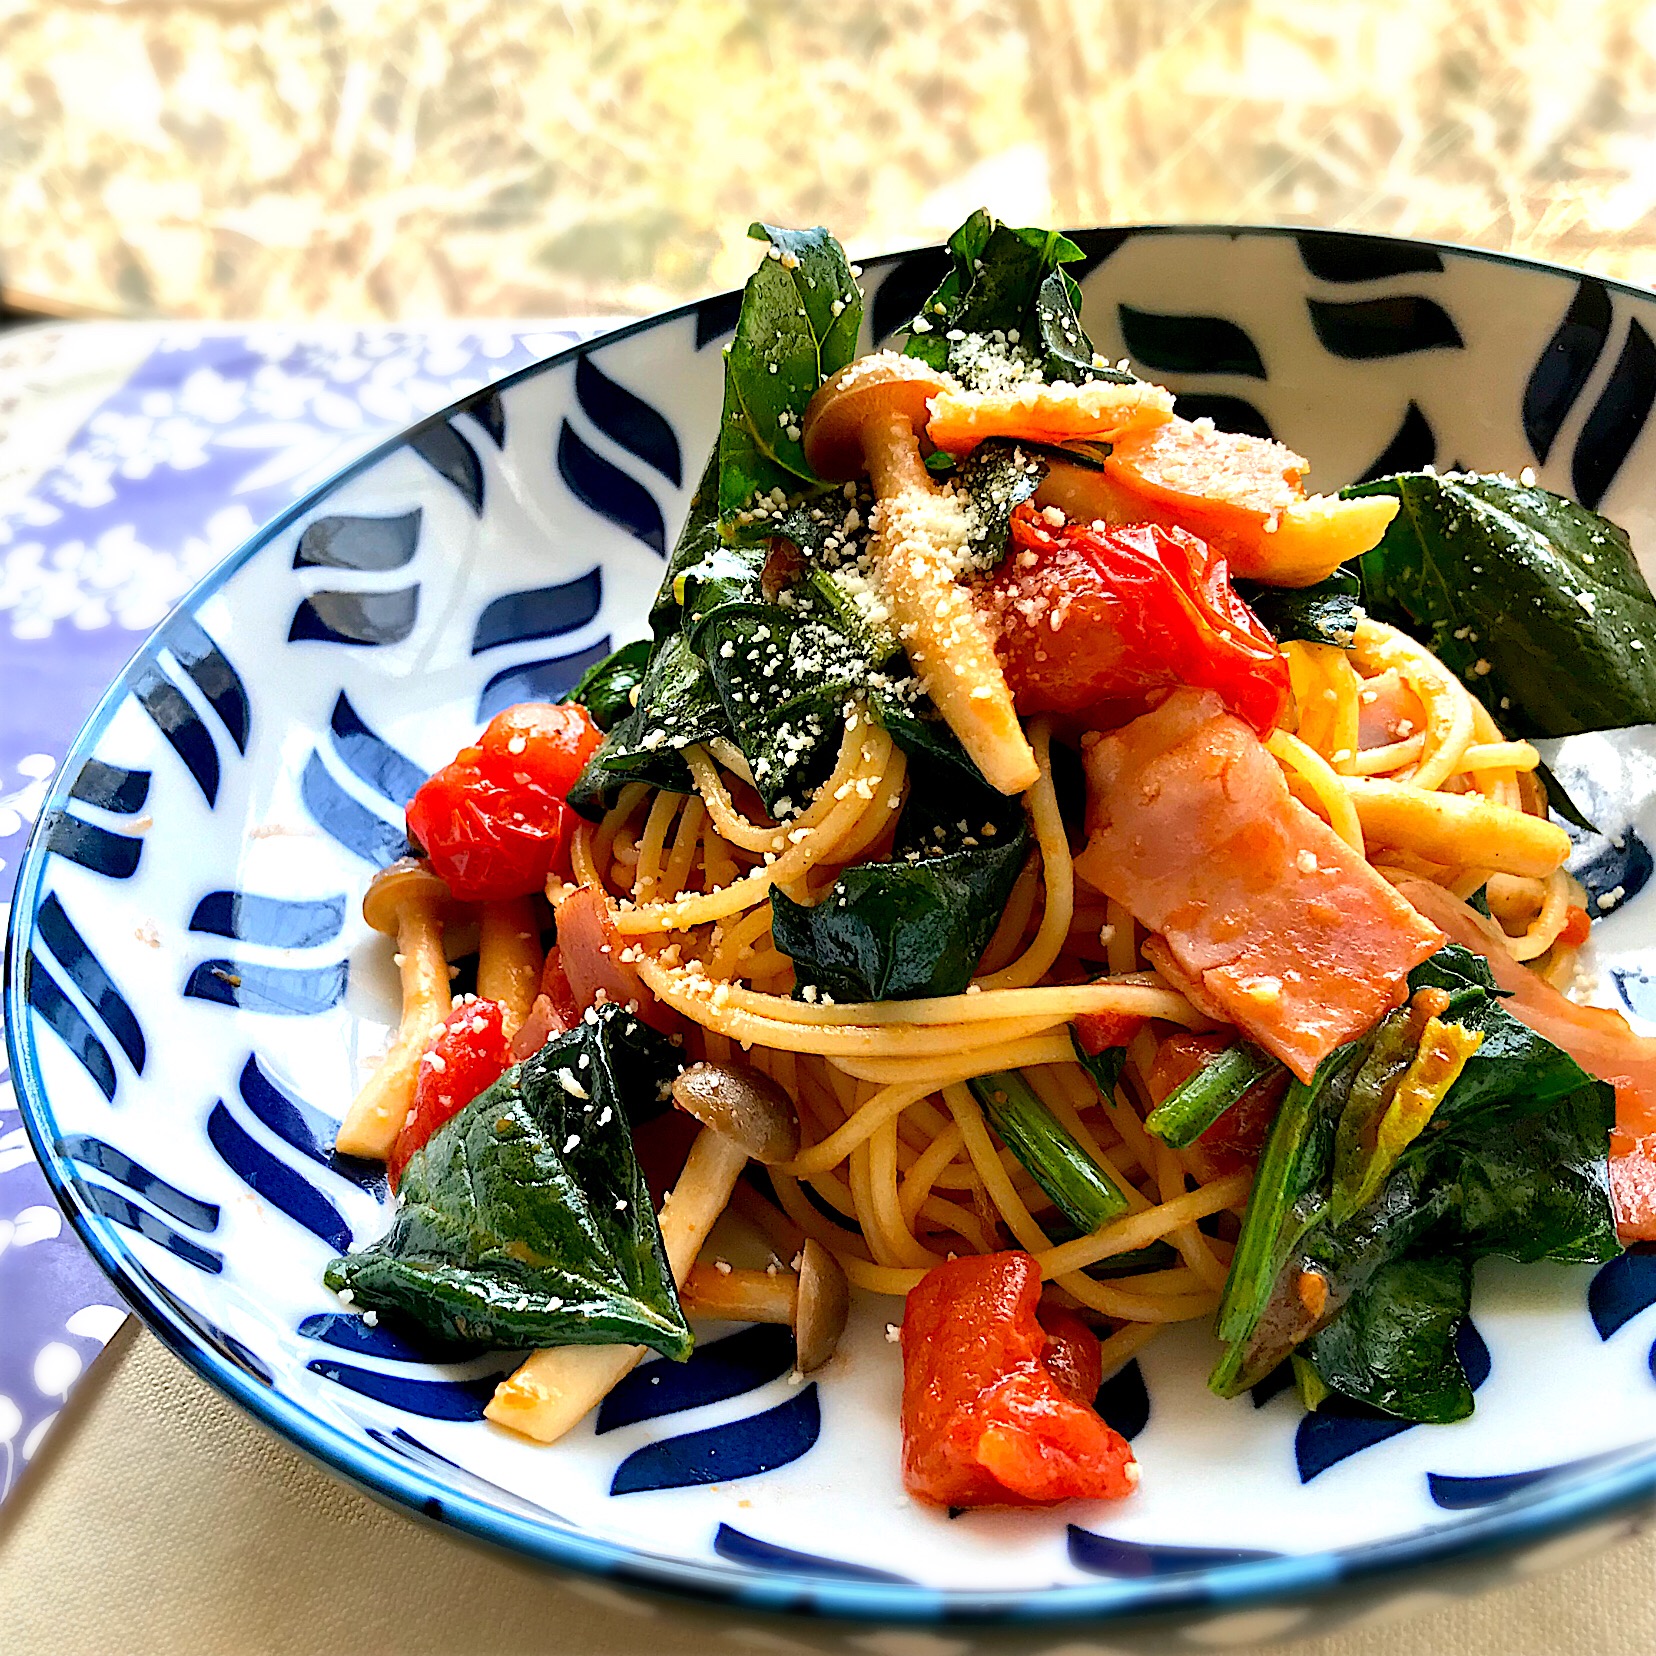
(192, 986)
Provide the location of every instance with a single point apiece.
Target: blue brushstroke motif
(1618, 417)
(1622, 1289)
(214, 677)
(716, 317)
(111, 787)
(1235, 414)
(1341, 1428)
(549, 680)
(111, 1204)
(449, 454)
(1400, 325)
(348, 820)
(1566, 363)
(489, 410)
(628, 421)
(1189, 344)
(906, 286)
(366, 618)
(209, 1333)
(739, 1548)
(369, 544)
(724, 1454)
(609, 491)
(86, 972)
(115, 856)
(140, 1181)
(335, 1328)
(1637, 990)
(277, 922)
(287, 991)
(1465, 1494)
(544, 612)
(1104, 1555)
(1341, 258)
(730, 1367)
(1123, 1401)
(435, 1399)
(68, 1022)
(304, 1127)
(1619, 863)
(1413, 447)
(274, 1180)
(372, 759)
(179, 722)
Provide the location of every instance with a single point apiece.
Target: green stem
(1200, 1099)
(1080, 1189)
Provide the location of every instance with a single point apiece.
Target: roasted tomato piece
(1095, 620)
(985, 1421)
(1098, 1031)
(466, 1056)
(1072, 1357)
(1237, 1138)
(492, 821)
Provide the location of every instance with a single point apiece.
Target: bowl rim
(1575, 1502)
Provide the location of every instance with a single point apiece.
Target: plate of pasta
(837, 950)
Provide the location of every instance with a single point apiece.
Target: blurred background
(407, 159)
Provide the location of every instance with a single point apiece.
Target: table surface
(206, 1533)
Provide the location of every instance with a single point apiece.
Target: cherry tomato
(1093, 621)
(493, 821)
(466, 1056)
(985, 1421)
(1577, 928)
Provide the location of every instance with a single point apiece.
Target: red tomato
(1098, 1031)
(985, 1421)
(466, 1056)
(492, 821)
(1237, 1138)
(1577, 927)
(1094, 621)
(1072, 1356)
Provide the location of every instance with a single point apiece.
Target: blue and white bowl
(192, 986)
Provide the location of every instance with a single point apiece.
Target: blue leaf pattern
(725, 1454)
(115, 856)
(1140, 1560)
(1400, 325)
(1413, 447)
(550, 680)
(1562, 370)
(179, 722)
(451, 456)
(81, 966)
(276, 922)
(348, 820)
(368, 544)
(544, 612)
(111, 787)
(609, 491)
(1338, 256)
(274, 1180)
(1189, 344)
(628, 421)
(1622, 1289)
(287, 991)
(369, 618)
(730, 1367)
(741, 1548)
(1617, 418)
(133, 1176)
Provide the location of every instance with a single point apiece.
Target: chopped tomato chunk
(1576, 929)
(1235, 1141)
(1280, 927)
(1096, 621)
(1098, 1031)
(1072, 1356)
(466, 1056)
(986, 1422)
(492, 821)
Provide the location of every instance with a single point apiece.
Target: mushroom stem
(509, 958)
(741, 1295)
(554, 1389)
(379, 1109)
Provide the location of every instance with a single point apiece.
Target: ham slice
(1599, 1039)
(1282, 926)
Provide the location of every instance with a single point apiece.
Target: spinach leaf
(697, 540)
(525, 1221)
(798, 325)
(1009, 283)
(605, 688)
(1104, 1066)
(998, 476)
(1326, 613)
(1535, 602)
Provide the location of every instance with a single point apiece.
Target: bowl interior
(194, 987)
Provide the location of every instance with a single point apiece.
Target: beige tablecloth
(161, 1522)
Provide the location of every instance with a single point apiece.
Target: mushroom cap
(864, 390)
(821, 1306)
(407, 880)
(743, 1105)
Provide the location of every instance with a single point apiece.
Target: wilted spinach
(605, 689)
(525, 1221)
(1326, 613)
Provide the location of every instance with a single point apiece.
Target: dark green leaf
(1198, 1101)
(998, 475)
(697, 540)
(1326, 613)
(1534, 601)
(1104, 1067)
(798, 325)
(605, 689)
(1075, 1184)
(525, 1221)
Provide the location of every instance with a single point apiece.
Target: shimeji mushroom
(407, 902)
(509, 957)
(744, 1116)
(814, 1302)
(866, 418)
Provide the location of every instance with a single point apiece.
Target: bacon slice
(1598, 1038)
(1284, 928)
